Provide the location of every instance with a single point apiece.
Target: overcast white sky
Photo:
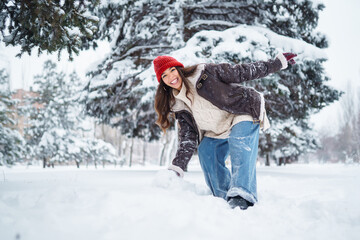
(340, 21)
(22, 70)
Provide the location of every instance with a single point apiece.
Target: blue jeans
(242, 145)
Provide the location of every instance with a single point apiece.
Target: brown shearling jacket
(221, 85)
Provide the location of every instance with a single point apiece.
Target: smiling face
(171, 77)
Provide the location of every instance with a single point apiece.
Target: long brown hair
(164, 98)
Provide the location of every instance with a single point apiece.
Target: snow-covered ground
(295, 202)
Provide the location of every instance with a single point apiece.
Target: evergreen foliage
(55, 121)
(50, 26)
(121, 94)
(138, 30)
(293, 19)
(11, 142)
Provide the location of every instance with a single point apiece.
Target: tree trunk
(103, 132)
(77, 164)
(44, 162)
(144, 153)
(131, 152)
(267, 162)
(123, 151)
(165, 143)
(117, 144)
(170, 147)
(280, 161)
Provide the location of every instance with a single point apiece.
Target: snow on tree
(122, 88)
(138, 30)
(48, 25)
(97, 151)
(11, 142)
(54, 131)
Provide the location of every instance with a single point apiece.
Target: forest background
(332, 134)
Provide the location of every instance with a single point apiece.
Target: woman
(222, 116)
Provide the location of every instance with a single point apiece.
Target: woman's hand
(289, 57)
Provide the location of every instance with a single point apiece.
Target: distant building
(22, 95)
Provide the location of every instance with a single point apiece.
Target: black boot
(239, 202)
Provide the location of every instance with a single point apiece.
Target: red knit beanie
(162, 63)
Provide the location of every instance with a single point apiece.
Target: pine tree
(11, 142)
(121, 90)
(50, 26)
(55, 126)
(48, 121)
(138, 30)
